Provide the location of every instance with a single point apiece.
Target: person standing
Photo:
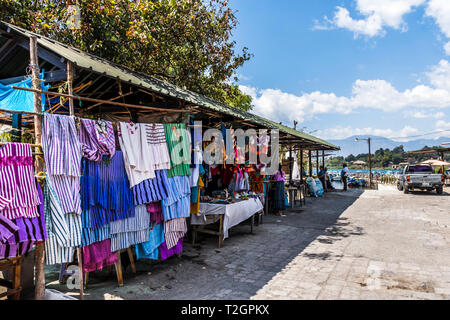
(279, 204)
(344, 176)
(321, 177)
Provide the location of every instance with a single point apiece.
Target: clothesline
(101, 101)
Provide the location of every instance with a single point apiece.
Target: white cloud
(442, 125)
(375, 94)
(440, 11)
(447, 48)
(378, 14)
(425, 115)
(340, 132)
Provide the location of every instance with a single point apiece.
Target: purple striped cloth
(29, 231)
(97, 139)
(62, 153)
(18, 194)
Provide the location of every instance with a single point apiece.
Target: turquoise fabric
(19, 100)
(149, 249)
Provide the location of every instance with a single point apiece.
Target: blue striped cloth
(152, 190)
(177, 204)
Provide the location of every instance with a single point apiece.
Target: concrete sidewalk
(397, 247)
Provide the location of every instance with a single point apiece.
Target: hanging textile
(97, 138)
(178, 142)
(174, 230)
(13, 99)
(137, 155)
(149, 249)
(177, 204)
(131, 231)
(20, 235)
(167, 253)
(156, 213)
(152, 190)
(98, 255)
(105, 191)
(62, 154)
(158, 146)
(18, 193)
(64, 230)
(195, 196)
(91, 235)
(197, 154)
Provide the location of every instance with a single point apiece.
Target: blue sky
(378, 67)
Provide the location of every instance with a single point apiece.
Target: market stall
(108, 180)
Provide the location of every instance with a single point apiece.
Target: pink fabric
(16, 161)
(279, 176)
(156, 214)
(98, 255)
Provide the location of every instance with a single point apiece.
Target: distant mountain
(350, 146)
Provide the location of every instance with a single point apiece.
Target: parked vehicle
(420, 176)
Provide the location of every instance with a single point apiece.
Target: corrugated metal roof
(96, 64)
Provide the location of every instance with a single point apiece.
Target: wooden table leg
(80, 273)
(86, 279)
(16, 278)
(118, 266)
(221, 231)
(130, 255)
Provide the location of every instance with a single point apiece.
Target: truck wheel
(439, 190)
(399, 186)
(405, 190)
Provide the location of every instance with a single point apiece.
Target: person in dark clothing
(321, 177)
(344, 176)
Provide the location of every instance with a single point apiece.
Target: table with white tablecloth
(230, 214)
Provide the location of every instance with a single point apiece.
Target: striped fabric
(97, 144)
(179, 144)
(92, 235)
(62, 153)
(156, 139)
(177, 205)
(152, 190)
(105, 191)
(131, 231)
(64, 230)
(174, 230)
(29, 231)
(18, 193)
(7, 229)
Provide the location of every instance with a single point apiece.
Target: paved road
(356, 245)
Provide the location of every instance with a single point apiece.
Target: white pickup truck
(420, 176)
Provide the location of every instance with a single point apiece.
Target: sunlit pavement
(386, 245)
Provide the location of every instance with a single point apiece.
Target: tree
(185, 42)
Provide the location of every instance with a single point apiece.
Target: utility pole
(370, 165)
(370, 159)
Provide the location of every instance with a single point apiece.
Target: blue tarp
(13, 99)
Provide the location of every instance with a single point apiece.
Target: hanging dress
(179, 144)
(137, 155)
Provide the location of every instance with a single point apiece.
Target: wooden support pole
(301, 164)
(39, 290)
(310, 163)
(317, 162)
(323, 158)
(69, 86)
